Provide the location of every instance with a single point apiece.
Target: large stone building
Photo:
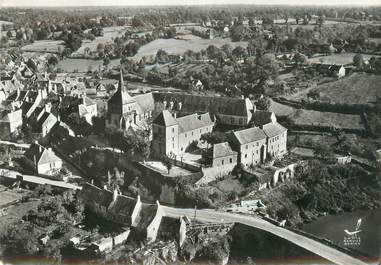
(172, 136)
(125, 111)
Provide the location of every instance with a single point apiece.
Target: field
(280, 109)
(51, 46)
(340, 58)
(358, 88)
(179, 46)
(83, 65)
(327, 119)
(109, 34)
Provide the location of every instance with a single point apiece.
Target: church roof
(165, 119)
(121, 95)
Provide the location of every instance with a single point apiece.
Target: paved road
(25, 146)
(316, 247)
(38, 180)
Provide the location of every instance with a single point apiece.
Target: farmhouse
(9, 123)
(42, 160)
(332, 70)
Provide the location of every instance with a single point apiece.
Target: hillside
(358, 88)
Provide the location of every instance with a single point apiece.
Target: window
(257, 144)
(257, 152)
(185, 135)
(200, 130)
(173, 130)
(192, 133)
(231, 160)
(222, 162)
(247, 147)
(182, 149)
(245, 155)
(173, 139)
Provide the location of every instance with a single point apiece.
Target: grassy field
(358, 88)
(327, 119)
(83, 65)
(109, 33)
(44, 46)
(179, 46)
(280, 109)
(340, 58)
(7, 196)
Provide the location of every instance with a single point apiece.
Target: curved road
(313, 246)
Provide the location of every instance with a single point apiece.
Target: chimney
(109, 178)
(92, 181)
(180, 104)
(165, 104)
(171, 105)
(115, 194)
(138, 198)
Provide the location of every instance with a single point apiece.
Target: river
(366, 238)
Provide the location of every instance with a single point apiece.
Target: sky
(29, 3)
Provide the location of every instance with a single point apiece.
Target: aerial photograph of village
(203, 133)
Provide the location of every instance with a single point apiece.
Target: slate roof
(147, 214)
(165, 119)
(13, 116)
(249, 135)
(192, 122)
(123, 205)
(200, 103)
(145, 102)
(121, 95)
(222, 150)
(273, 129)
(42, 154)
(92, 194)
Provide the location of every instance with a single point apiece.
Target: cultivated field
(327, 119)
(358, 88)
(179, 46)
(51, 46)
(108, 37)
(83, 65)
(340, 58)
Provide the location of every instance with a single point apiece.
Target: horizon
(164, 3)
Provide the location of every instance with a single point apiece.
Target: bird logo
(357, 229)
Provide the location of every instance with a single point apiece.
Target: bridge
(207, 215)
(12, 174)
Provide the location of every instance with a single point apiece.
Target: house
(172, 136)
(276, 139)
(261, 118)
(251, 145)
(45, 122)
(9, 123)
(144, 219)
(87, 109)
(221, 154)
(43, 160)
(332, 70)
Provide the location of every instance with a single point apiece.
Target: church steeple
(121, 81)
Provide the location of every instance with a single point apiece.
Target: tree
(168, 165)
(358, 61)
(53, 60)
(263, 103)
(214, 137)
(323, 151)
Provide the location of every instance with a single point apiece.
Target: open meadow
(358, 88)
(50, 46)
(303, 117)
(179, 46)
(339, 58)
(109, 33)
(83, 65)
